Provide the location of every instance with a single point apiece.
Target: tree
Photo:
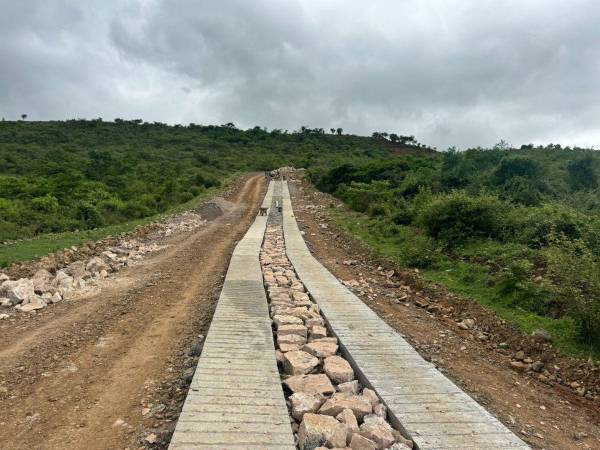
(23, 116)
(394, 138)
(340, 131)
(582, 174)
(332, 130)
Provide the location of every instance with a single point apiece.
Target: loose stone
(303, 403)
(318, 430)
(350, 387)
(340, 401)
(338, 369)
(299, 362)
(378, 430)
(359, 442)
(310, 384)
(321, 349)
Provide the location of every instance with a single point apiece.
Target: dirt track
(79, 374)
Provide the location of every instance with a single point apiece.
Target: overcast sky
(453, 73)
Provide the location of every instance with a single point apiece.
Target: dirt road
(546, 416)
(89, 373)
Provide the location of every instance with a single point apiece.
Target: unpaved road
(546, 416)
(78, 374)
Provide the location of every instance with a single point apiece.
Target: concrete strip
(235, 399)
(431, 409)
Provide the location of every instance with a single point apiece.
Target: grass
(462, 277)
(35, 248)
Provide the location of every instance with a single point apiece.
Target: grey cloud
(459, 73)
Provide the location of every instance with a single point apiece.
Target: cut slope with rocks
(57, 279)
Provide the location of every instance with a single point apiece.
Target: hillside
(517, 229)
(78, 174)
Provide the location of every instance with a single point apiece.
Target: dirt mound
(214, 208)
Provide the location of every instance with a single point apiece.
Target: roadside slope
(545, 416)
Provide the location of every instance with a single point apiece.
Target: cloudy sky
(453, 73)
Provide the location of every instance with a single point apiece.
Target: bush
(535, 226)
(575, 275)
(360, 196)
(457, 217)
(48, 204)
(517, 289)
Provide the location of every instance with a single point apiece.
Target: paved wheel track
(422, 402)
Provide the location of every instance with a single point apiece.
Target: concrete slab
(235, 399)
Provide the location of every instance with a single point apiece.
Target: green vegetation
(518, 230)
(34, 248)
(81, 175)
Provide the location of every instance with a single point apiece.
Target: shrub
(48, 204)
(360, 196)
(515, 285)
(575, 275)
(535, 226)
(458, 217)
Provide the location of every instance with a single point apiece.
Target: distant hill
(82, 174)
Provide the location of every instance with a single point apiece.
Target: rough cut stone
(378, 430)
(299, 362)
(350, 387)
(318, 430)
(348, 418)
(340, 401)
(289, 347)
(312, 321)
(338, 369)
(298, 287)
(293, 339)
(284, 319)
(303, 403)
(299, 330)
(300, 296)
(18, 291)
(300, 312)
(371, 396)
(333, 340)
(380, 410)
(318, 332)
(310, 384)
(321, 349)
(359, 442)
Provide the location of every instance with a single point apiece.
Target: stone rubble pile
(83, 276)
(328, 406)
(180, 223)
(79, 277)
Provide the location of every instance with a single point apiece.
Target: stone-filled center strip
(329, 407)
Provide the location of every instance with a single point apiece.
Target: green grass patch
(468, 276)
(35, 248)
